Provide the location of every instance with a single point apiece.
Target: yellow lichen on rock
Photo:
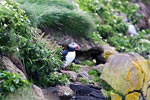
(145, 67)
(133, 96)
(130, 81)
(115, 96)
(148, 94)
(135, 85)
(126, 73)
(108, 53)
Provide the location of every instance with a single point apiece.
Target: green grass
(74, 67)
(62, 3)
(24, 93)
(74, 22)
(88, 63)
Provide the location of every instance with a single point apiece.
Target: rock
(51, 93)
(86, 92)
(99, 67)
(9, 66)
(16, 61)
(148, 94)
(144, 41)
(133, 96)
(89, 49)
(148, 36)
(127, 73)
(84, 68)
(115, 96)
(145, 10)
(108, 50)
(65, 92)
(38, 93)
(73, 75)
(84, 74)
(85, 44)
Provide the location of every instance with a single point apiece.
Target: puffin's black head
(73, 46)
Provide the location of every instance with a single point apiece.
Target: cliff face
(144, 9)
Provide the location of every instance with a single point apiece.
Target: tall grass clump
(62, 3)
(44, 16)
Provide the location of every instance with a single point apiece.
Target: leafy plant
(9, 82)
(40, 61)
(58, 79)
(22, 93)
(114, 29)
(15, 37)
(131, 44)
(13, 24)
(94, 73)
(88, 63)
(74, 67)
(83, 80)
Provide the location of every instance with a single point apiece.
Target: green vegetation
(10, 82)
(58, 79)
(13, 23)
(83, 80)
(60, 16)
(74, 67)
(16, 38)
(40, 61)
(22, 93)
(96, 75)
(113, 29)
(88, 63)
(62, 3)
(99, 20)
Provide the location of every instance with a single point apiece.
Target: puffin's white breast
(69, 58)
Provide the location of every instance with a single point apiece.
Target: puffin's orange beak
(78, 48)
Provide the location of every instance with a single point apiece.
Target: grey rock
(38, 93)
(84, 74)
(9, 66)
(65, 92)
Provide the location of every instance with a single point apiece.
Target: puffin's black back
(64, 53)
(70, 49)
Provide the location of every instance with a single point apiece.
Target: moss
(83, 80)
(88, 63)
(73, 67)
(24, 93)
(94, 72)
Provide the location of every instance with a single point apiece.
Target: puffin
(69, 54)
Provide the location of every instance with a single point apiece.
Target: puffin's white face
(74, 45)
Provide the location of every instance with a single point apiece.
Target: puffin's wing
(64, 53)
(77, 61)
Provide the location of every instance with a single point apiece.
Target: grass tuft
(75, 22)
